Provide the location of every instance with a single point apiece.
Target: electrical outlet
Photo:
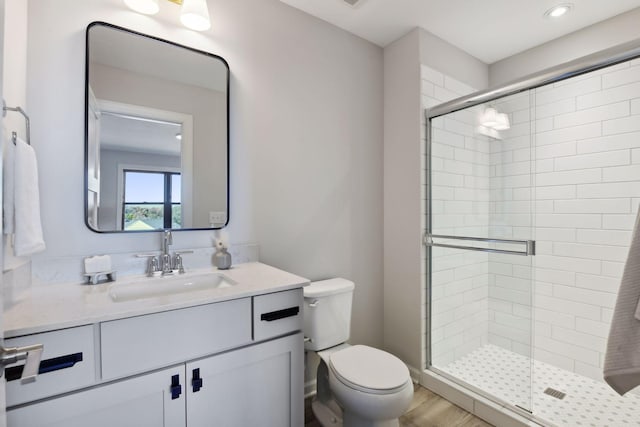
(217, 217)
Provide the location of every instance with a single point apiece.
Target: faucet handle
(152, 264)
(178, 260)
(178, 264)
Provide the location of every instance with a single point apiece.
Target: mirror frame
(86, 126)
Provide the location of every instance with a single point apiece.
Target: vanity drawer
(277, 314)
(143, 343)
(68, 363)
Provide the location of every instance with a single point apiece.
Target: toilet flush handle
(314, 303)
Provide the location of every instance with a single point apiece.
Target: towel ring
(14, 135)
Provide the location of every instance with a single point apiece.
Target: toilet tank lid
(323, 288)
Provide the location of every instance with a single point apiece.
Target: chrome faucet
(165, 263)
(165, 260)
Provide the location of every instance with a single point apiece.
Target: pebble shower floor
(507, 375)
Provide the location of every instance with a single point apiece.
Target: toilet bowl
(357, 386)
(372, 386)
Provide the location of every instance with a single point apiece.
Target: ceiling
(490, 30)
(128, 133)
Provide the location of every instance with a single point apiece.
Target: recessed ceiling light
(558, 10)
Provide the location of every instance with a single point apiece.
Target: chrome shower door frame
(615, 55)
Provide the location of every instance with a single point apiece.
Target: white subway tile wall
(460, 205)
(583, 239)
(566, 174)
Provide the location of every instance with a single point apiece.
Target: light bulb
(558, 10)
(195, 15)
(148, 7)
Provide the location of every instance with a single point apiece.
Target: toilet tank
(327, 313)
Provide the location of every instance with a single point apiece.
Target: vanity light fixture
(492, 119)
(194, 14)
(558, 10)
(502, 122)
(147, 7)
(489, 118)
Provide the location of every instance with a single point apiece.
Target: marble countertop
(50, 307)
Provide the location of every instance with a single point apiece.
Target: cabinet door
(260, 385)
(144, 401)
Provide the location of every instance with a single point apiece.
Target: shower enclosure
(531, 195)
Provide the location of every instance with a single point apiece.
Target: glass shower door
(480, 248)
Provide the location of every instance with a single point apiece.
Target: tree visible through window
(151, 200)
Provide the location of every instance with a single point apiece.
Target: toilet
(357, 386)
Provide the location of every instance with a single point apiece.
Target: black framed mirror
(156, 134)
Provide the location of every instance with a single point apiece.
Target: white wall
(603, 35)
(306, 139)
(15, 86)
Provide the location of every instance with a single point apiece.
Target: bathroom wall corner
(402, 289)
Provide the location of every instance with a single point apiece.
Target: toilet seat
(369, 370)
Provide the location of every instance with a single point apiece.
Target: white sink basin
(168, 285)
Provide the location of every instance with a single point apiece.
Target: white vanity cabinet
(232, 363)
(143, 401)
(259, 385)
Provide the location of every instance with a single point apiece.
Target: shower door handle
(529, 245)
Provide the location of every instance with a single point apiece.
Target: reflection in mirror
(157, 134)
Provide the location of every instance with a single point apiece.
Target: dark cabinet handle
(280, 314)
(176, 388)
(48, 365)
(196, 381)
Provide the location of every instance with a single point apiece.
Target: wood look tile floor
(427, 410)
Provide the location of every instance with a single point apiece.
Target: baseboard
(415, 373)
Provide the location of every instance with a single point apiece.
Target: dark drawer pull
(176, 387)
(280, 314)
(48, 365)
(196, 381)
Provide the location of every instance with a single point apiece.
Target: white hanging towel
(622, 359)
(28, 237)
(8, 186)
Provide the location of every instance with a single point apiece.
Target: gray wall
(306, 138)
(451, 61)
(603, 35)
(402, 284)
